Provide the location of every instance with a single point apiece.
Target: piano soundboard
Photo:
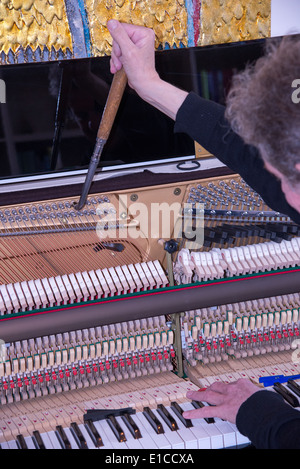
(94, 316)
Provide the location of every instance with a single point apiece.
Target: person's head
(261, 110)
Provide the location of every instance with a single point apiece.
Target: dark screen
(52, 111)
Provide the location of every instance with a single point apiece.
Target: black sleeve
(269, 422)
(204, 121)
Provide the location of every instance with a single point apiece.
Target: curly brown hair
(260, 107)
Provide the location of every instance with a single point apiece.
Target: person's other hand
(225, 399)
(133, 48)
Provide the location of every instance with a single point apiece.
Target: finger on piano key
(179, 411)
(200, 405)
(215, 436)
(151, 439)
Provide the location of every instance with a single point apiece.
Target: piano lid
(52, 110)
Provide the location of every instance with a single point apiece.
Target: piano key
(12, 444)
(62, 437)
(132, 426)
(172, 436)
(199, 405)
(167, 417)
(294, 386)
(109, 439)
(153, 420)
(21, 442)
(229, 437)
(78, 436)
(214, 434)
(179, 411)
(190, 441)
(151, 439)
(54, 440)
(286, 394)
(86, 435)
(71, 438)
(116, 428)
(131, 441)
(29, 442)
(42, 440)
(94, 434)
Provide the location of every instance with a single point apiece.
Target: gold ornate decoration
(232, 20)
(168, 19)
(33, 23)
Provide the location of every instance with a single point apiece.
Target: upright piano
(110, 314)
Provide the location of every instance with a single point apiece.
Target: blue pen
(270, 380)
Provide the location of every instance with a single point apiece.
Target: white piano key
(5, 445)
(12, 444)
(240, 439)
(146, 441)
(229, 435)
(46, 440)
(54, 440)
(105, 429)
(190, 441)
(87, 437)
(204, 441)
(174, 438)
(131, 442)
(160, 440)
(29, 442)
(71, 438)
(105, 439)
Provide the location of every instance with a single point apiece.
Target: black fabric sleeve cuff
(269, 422)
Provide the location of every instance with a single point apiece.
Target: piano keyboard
(161, 427)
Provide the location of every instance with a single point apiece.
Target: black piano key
(132, 426)
(287, 396)
(199, 405)
(167, 417)
(37, 440)
(79, 438)
(178, 412)
(116, 428)
(294, 387)
(62, 438)
(153, 420)
(21, 443)
(94, 434)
